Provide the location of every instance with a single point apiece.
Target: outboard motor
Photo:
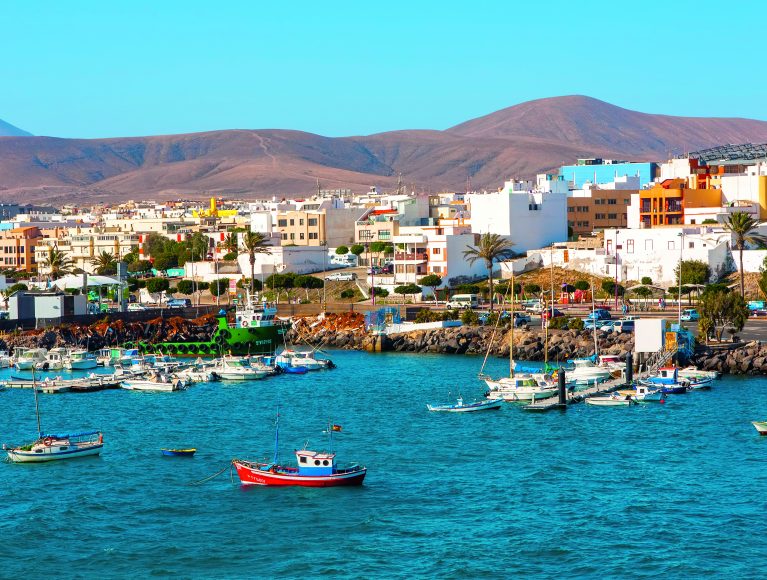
(331, 364)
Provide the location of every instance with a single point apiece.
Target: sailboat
(584, 371)
(517, 386)
(55, 446)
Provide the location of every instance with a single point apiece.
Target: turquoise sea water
(674, 490)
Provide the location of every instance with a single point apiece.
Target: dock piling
(562, 388)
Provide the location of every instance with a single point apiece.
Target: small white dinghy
(760, 426)
(613, 400)
(461, 407)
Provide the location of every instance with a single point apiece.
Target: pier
(551, 403)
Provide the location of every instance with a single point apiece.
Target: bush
(646, 280)
(582, 285)
(155, 285)
(469, 317)
(230, 257)
(559, 322)
(202, 286)
(379, 292)
(140, 266)
(426, 315)
(532, 289)
(219, 287)
(185, 287)
(348, 293)
(357, 249)
(466, 289)
(342, 250)
(575, 324)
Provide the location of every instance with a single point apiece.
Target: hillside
(515, 142)
(8, 130)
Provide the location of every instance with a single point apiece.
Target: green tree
(646, 280)
(469, 318)
(709, 221)
(254, 243)
(720, 310)
(490, 249)
(18, 287)
(131, 256)
(693, 272)
(379, 292)
(744, 230)
(154, 244)
(58, 263)
(357, 249)
(466, 289)
(309, 283)
(104, 264)
(185, 287)
(407, 289)
(582, 285)
(165, 262)
(342, 250)
(243, 283)
(532, 289)
(140, 266)
(431, 281)
(230, 243)
(219, 287)
(155, 285)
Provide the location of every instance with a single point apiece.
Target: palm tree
(491, 248)
(743, 227)
(58, 262)
(254, 243)
(104, 263)
(230, 243)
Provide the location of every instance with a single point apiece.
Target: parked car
(387, 269)
(136, 307)
(374, 270)
(549, 314)
(618, 326)
(690, 315)
(598, 314)
(758, 313)
(534, 307)
(342, 277)
(520, 319)
(179, 303)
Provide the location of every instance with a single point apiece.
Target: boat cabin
(666, 376)
(255, 314)
(315, 463)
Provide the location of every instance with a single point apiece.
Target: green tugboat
(255, 331)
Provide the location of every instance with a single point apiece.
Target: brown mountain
(518, 141)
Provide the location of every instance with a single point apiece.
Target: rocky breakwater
(345, 330)
(743, 359)
(107, 333)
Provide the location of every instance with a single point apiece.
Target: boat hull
(608, 402)
(16, 456)
(178, 452)
(82, 365)
(253, 476)
(760, 426)
(470, 408)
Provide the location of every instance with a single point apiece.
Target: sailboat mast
(37, 406)
(594, 320)
(276, 437)
(511, 340)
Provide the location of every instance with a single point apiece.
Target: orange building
(664, 203)
(17, 248)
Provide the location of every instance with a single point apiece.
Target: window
(648, 245)
(312, 221)
(691, 245)
(598, 202)
(284, 236)
(316, 462)
(599, 216)
(314, 236)
(302, 459)
(292, 236)
(671, 244)
(570, 209)
(612, 201)
(384, 235)
(436, 251)
(437, 269)
(292, 222)
(325, 462)
(282, 223)
(629, 246)
(300, 222)
(301, 236)
(612, 216)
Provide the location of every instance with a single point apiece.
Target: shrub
(426, 315)
(575, 324)
(469, 317)
(342, 250)
(582, 285)
(532, 289)
(646, 280)
(348, 293)
(357, 249)
(230, 256)
(559, 322)
(155, 285)
(379, 292)
(219, 287)
(140, 266)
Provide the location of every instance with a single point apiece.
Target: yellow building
(665, 202)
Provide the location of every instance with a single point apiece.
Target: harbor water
(673, 490)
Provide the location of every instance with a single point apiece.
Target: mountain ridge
(517, 141)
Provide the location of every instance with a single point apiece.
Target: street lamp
(679, 296)
(616, 269)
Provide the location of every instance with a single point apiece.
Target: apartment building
(18, 247)
(318, 227)
(601, 206)
(81, 245)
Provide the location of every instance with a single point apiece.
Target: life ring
(48, 441)
(244, 323)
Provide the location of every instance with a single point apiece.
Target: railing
(404, 256)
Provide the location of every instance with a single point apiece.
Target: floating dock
(551, 403)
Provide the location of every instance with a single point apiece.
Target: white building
(531, 216)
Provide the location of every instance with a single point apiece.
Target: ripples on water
(675, 490)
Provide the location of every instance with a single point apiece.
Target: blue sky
(103, 69)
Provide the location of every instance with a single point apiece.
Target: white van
(463, 301)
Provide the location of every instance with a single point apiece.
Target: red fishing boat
(312, 468)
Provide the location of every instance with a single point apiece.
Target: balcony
(412, 257)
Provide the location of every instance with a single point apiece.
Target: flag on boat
(335, 427)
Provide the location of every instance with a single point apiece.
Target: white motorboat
(27, 359)
(694, 374)
(611, 362)
(80, 360)
(155, 382)
(301, 359)
(461, 407)
(5, 359)
(585, 372)
(645, 394)
(612, 400)
(54, 359)
(521, 387)
(197, 374)
(234, 368)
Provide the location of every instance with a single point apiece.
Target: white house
(531, 216)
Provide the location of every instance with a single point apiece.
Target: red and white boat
(312, 469)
